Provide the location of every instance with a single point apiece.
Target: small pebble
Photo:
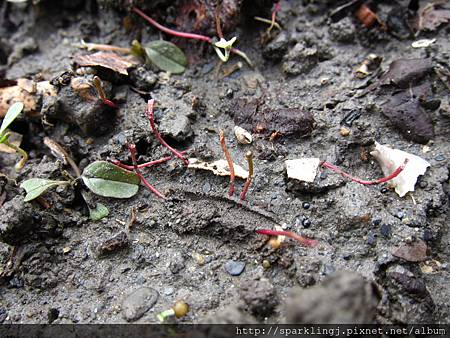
(323, 175)
(234, 268)
(168, 291)
(206, 187)
(306, 223)
(385, 230)
(371, 240)
(400, 215)
(384, 190)
(266, 264)
(306, 205)
(344, 131)
(440, 158)
(376, 221)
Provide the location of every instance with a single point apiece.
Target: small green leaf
(136, 49)
(166, 56)
(35, 187)
(99, 212)
(11, 115)
(108, 180)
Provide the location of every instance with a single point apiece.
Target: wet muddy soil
(380, 257)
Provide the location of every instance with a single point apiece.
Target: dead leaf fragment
(219, 168)
(415, 252)
(113, 61)
(429, 17)
(302, 169)
(405, 72)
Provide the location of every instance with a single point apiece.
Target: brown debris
(415, 252)
(26, 91)
(113, 61)
(404, 72)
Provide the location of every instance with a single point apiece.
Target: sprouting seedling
(151, 118)
(226, 45)
(249, 157)
(10, 116)
(180, 309)
(302, 240)
(101, 93)
(272, 21)
(229, 161)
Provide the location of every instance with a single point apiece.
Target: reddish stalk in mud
(302, 240)
(274, 14)
(360, 181)
(101, 93)
(229, 160)
(132, 149)
(144, 165)
(186, 35)
(249, 157)
(151, 117)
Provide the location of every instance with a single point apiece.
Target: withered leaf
(415, 252)
(113, 61)
(403, 72)
(429, 17)
(405, 112)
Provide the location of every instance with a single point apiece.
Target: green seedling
(10, 116)
(180, 309)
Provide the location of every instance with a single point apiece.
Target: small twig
(146, 164)
(302, 240)
(131, 219)
(60, 153)
(132, 149)
(187, 35)
(249, 157)
(101, 93)
(360, 181)
(101, 47)
(229, 160)
(151, 117)
(218, 23)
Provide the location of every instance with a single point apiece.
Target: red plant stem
(151, 117)
(171, 31)
(358, 180)
(303, 241)
(101, 93)
(132, 149)
(146, 164)
(275, 10)
(229, 160)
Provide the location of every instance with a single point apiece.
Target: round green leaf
(35, 187)
(99, 212)
(108, 180)
(166, 56)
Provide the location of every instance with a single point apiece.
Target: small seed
(266, 264)
(242, 135)
(274, 242)
(181, 309)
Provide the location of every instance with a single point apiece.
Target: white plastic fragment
(423, 43)
(390, 159)
(242, 135)
(219, 168)
(302, 169)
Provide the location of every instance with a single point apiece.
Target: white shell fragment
(424, 43)
(390, 159)
(242, 135)
(219, 168)
(302, 169)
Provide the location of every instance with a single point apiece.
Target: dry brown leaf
(429, 17)
(113, 61)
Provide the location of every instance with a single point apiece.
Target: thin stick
(151, 117)
(249, 157)
(144, 165)
(61, 153)
(132, 149)
(267, 21)
(218, 24)
(106, 48)
(229, 160)
(302, 240)
(187, 35)
(360, 181)
(101, 93)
